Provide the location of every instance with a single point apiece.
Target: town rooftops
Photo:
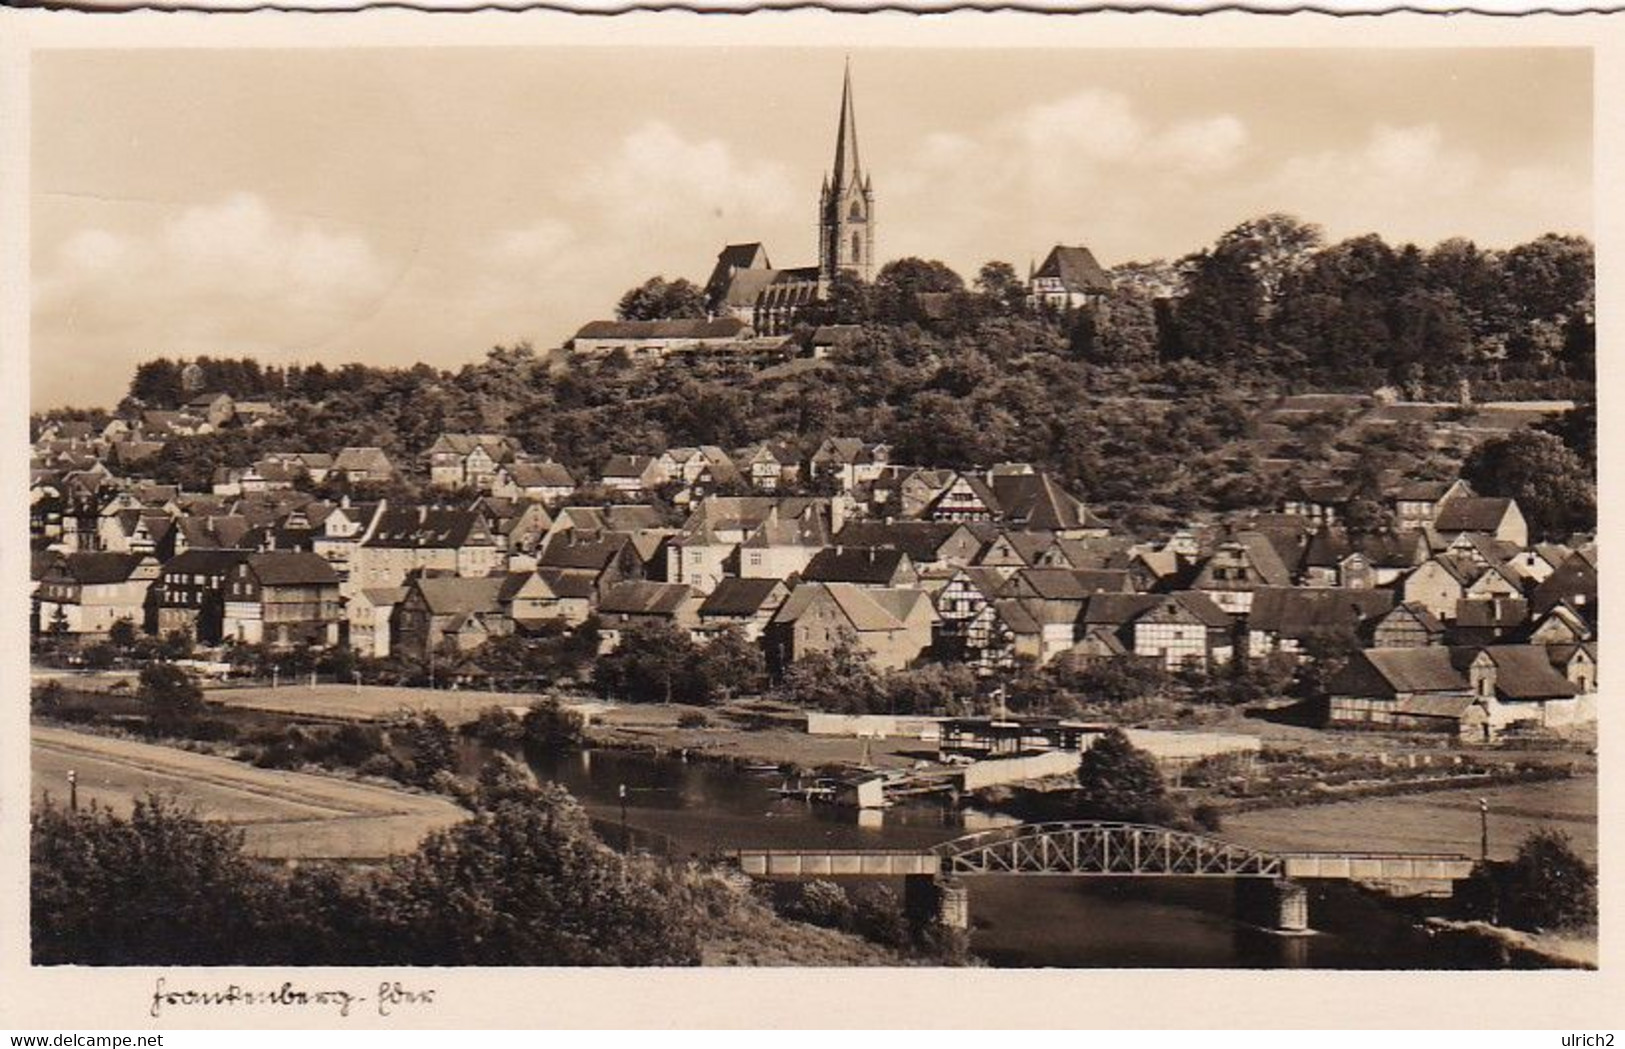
(644, 598)
(453, 595)
(856, 564)
(865, 609)
(93, 569)
(424, 527)
(292, 568)
(738, 597)
(1299, 611)
(1472, 514)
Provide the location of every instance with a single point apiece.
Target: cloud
(1413, 183)
(229, 276)
(1087, 165)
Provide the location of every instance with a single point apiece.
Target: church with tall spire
(745, 285)
(846, 206)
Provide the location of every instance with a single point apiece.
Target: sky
(397, 205)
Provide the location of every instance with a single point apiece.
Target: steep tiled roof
(1076, 268)
(1471, 514)
(291, 568)
(738, 597)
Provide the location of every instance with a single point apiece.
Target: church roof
(720, 328)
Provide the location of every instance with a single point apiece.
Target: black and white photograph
(836, 505)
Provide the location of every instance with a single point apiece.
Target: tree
(1546, 886)
(732, 664)
(1002, 287)
(123, 635)
(842, 680)
(1274, 247)
(159, 888)
(525, 882)
(171, 694)
(1118, 781)
(655, 662)
(659, 299)
(1125, 329)
(1551, 484)
(549, 728)
(915, 275)
(431, 746)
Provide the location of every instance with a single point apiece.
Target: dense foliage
(955, 376)
(522, 882)
(1118, 781)
(1546, 886)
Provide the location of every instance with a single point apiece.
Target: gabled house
(861, 566)
(767, 467)
(1561, 625)
(189, 594)
(470, 460)
(1238, 567)
(1472, 692)
(1574, 583)
(363, 465)
(402, 540)
(848, 461)
(1288, 620)
(779, 548)
(1416, 504)
(1438, 585)
(282, 599)
(1183, 630)
(893, 627)
(746, 604)
(438, 610)
(217, 409)
(1068, 279)
(86, 593)
(599, 560)
(369, 614)
(1322, 502)
(632, 475)
(1495, 518)
(1407, 625)
(930, 545)
(1012, 551)
(625, 605)
(543, 481)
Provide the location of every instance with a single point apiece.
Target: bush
(823, 903)
(550, 728)
(693, 719)
(1118, 781)
(1208, 816)
(497, 727)
(1546, 886)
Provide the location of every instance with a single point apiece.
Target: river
(700, 808)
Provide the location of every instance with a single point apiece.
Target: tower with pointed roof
(846, 207)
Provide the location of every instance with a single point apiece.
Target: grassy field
(283, 815)
(1445, 821)
(371, 702)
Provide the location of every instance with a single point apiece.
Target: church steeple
(846, 236)
(848, 171)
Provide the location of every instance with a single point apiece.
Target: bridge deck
(1089, 851)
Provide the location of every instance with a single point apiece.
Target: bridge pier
(1279, 904)
(929, 897)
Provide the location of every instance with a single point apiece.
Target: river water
(700, 808)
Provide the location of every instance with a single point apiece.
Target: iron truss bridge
(1103, 849)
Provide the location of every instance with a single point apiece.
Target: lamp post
(73, 791)
(1483, 830)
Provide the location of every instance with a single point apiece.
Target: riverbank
(1553, 950)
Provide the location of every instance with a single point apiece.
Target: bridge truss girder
(1103, 848)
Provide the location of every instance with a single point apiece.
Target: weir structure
(1269, 890)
